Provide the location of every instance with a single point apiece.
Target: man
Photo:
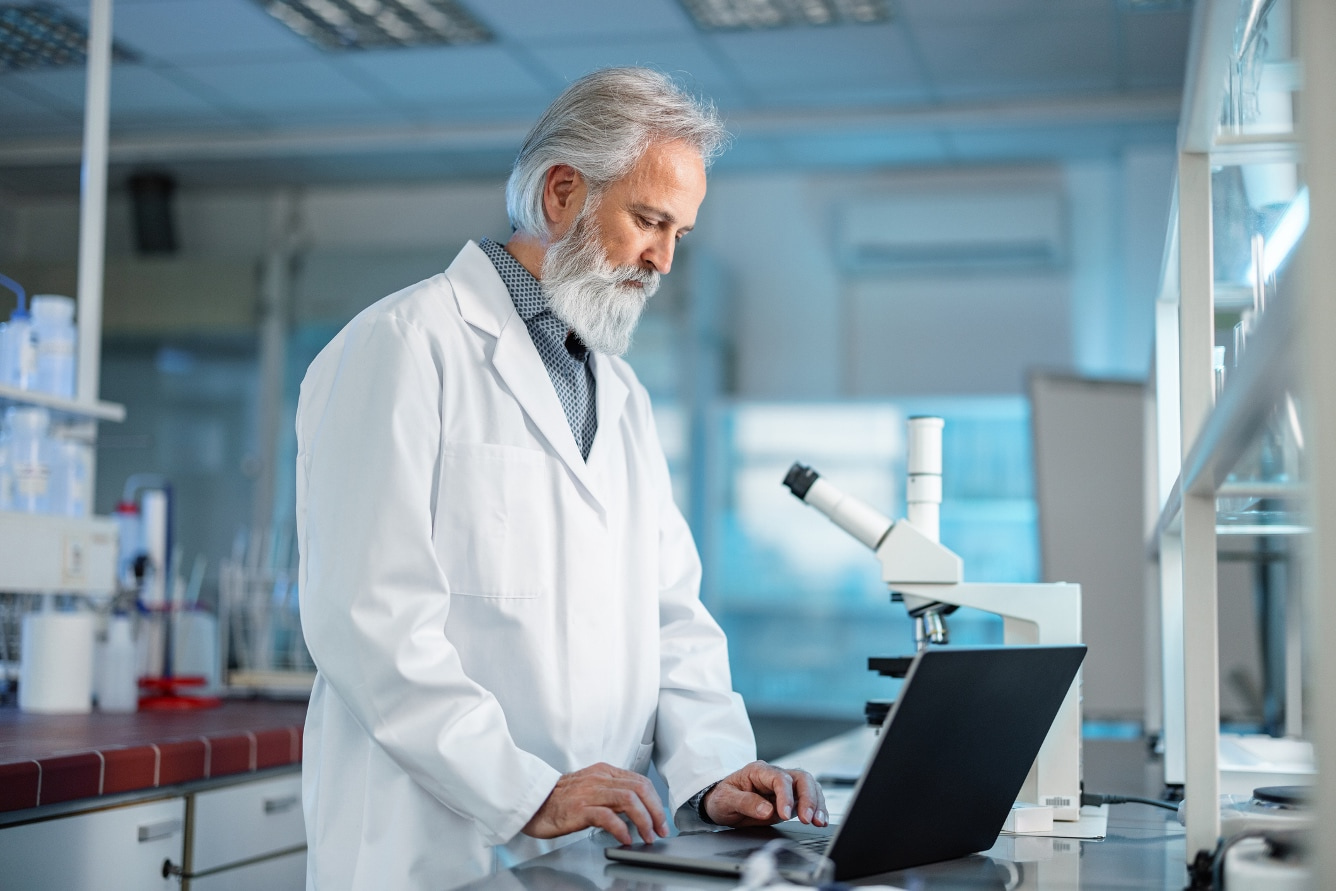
(498, 592)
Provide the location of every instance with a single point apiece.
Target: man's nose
(659, 255)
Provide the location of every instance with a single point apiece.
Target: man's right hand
(597, 796)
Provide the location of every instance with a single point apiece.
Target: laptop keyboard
(785, 856)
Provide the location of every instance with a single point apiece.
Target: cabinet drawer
(247, 820)
(286, 873)
(119, 848)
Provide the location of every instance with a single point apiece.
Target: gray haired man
(500, 596)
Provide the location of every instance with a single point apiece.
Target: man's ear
(564, 192)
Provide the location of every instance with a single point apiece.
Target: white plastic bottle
(18, 352)
(71, 462)
(29, 457)
(116, 685)
(54, 333)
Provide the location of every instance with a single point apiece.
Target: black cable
(1093, 798)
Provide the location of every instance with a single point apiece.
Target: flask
(54, 333)
(29, 461)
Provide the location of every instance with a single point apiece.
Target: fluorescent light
(42, 35)
(725, 15)
(365, 24)
(1282, 240)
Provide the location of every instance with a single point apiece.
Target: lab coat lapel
(485, 303)
(611, 397)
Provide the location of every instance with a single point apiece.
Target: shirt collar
(526, 292)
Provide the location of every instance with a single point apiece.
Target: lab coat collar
(485, 304)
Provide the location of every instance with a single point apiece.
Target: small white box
(1029, 818)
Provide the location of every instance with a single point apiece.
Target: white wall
(804, 326)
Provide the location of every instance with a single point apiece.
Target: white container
(56, 663)
(18, 352)
(54, 333)
(71, 466)
(6, 477)
(116, 684)
(29, 457)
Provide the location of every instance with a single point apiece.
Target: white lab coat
(486, 610)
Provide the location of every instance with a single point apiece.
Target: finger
(644, 790)
(781, 786)
(607, 820)
(729, 805)
(627, 802)
(810, 800)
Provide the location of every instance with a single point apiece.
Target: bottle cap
(27, 418)
(52, 308)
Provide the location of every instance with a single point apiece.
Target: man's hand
(596, 796)
(761, 794)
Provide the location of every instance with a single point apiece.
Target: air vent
(1022, 228)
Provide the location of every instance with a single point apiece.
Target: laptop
(951, 757)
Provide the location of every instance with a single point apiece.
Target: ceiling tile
(464, 76)
(962, 11)
(557, 19)
(204, 30)
(289, 87)
(1155, 48)
(834, 56)
(138, 92)
(685, 58)
(1067, 53)
(23, 112)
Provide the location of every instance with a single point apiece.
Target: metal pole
(93, 200)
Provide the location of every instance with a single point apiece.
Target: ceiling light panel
(727, 15)
(378, 24)
(42, 35)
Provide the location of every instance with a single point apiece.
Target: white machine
(929, 579)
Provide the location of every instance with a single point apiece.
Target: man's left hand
(761, 794)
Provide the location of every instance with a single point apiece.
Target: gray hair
(601, 125)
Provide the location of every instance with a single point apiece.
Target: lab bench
(204, 800)
(1143, 847)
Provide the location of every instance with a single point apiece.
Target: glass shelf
(67, 408)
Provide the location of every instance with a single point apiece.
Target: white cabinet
(249, 835)
(120, 848)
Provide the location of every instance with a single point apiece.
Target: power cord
(1093, 798)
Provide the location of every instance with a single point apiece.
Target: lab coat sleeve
(374, 597)
(702, 732)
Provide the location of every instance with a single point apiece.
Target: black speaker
(151, 198)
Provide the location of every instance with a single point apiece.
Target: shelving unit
(50, 554)
(1278, 388)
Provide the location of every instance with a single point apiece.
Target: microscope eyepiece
(799, 479)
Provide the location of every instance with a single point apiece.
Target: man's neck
(529, 251)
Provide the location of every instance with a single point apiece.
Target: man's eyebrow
(650, 210)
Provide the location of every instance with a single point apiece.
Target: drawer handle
(161, 829)
(280, 805)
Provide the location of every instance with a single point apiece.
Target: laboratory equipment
(116, 685)
(29, 461)
(929, 578)
(18, 349)
(150, 562)
(56, 662)
(54, 336)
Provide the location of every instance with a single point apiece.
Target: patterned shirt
(564, 356)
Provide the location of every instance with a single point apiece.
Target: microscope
(929, 579)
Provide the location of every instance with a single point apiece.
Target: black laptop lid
(953, 754)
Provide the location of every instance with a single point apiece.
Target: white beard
(599, 302)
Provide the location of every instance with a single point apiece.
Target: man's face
(607, 262)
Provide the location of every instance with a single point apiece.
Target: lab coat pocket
(496, 522)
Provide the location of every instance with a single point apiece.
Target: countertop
(51, 759)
